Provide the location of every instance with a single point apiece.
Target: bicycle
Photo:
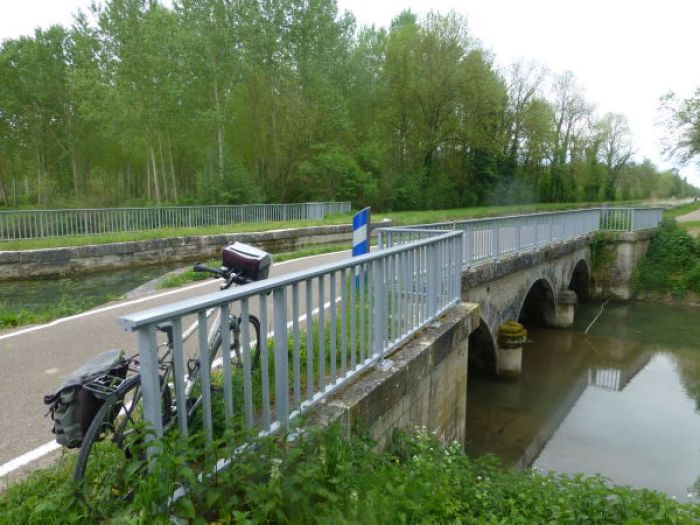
(117, 391)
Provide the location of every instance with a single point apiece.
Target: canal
(86, 291)
(622, 401)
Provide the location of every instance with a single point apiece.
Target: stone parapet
(425, 386)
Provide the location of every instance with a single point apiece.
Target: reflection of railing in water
(605, 378)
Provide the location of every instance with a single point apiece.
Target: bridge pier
(564, 312)
(509, 349)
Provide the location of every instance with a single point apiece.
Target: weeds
(326, 477)
(672, 262)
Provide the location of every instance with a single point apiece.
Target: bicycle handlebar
(229, 274)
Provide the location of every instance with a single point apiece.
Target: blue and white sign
(360, 232)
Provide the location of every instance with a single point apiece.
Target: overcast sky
(625, 53)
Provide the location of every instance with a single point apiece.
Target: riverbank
(671, 266)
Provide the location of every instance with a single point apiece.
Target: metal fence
(324, 325)
(320, 328)
(34, 224)
(629, 219)
(494, 238)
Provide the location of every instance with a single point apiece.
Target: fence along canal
(342, 318)
(36, 224)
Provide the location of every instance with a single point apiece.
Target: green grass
(672, 213)
(11, 317)
(326, 477)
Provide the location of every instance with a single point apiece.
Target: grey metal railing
(33, 224)
(324, 325)
(629, 219)
(320, 327)
(494, 238)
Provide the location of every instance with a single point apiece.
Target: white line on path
(128, 303)
(47, 448)
(30, 456)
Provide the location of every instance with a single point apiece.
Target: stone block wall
(426, 386)
(26, 264)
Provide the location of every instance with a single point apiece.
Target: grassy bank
(672, 263)
(328, 478)
(399, 218)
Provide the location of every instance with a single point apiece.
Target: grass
(327, 477)
(11, 317)
(672, 213)
(399, 218)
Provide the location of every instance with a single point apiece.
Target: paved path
(33, 360)
(693, 216)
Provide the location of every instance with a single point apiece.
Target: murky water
(88, 290)
(622, 401)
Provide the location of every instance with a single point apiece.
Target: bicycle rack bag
(249, 261)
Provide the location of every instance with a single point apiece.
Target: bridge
(383, 340)
(391, 303)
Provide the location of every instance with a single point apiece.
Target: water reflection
(622, 401)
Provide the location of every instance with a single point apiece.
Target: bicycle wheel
(118, 423)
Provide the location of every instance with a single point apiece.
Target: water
(87, 290)
(623, 401)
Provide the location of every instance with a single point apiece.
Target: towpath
(34, 360)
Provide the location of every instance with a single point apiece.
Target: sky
(625, 53)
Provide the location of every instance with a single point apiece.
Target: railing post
(279, 298)
(633, 213)
(150, 387)
(432, 271)
(494, 240)
(379, 319)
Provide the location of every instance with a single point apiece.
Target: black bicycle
(117, 390)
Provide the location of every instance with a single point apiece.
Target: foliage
(212, 101)
(672, 263)
(327, 477)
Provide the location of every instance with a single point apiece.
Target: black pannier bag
(73, 407)
(248, 261)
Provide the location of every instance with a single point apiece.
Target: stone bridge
(542, 287)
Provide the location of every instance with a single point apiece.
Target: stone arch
(580, 279)
(539, 305)
(482, 350)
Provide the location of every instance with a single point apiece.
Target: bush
(672, 263)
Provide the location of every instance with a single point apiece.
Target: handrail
(33, 224)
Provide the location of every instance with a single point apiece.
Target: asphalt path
(34, 360)
(693, 216)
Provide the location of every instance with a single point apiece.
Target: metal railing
(33, 224)
(495, 238)
(321, 327)
(629, 219)
(324, 325)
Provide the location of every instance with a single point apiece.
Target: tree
(682, 121)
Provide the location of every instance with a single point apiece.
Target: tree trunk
(154, 170)
(219, 131)
(172, 171)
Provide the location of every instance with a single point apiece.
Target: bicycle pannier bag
(72, 407)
